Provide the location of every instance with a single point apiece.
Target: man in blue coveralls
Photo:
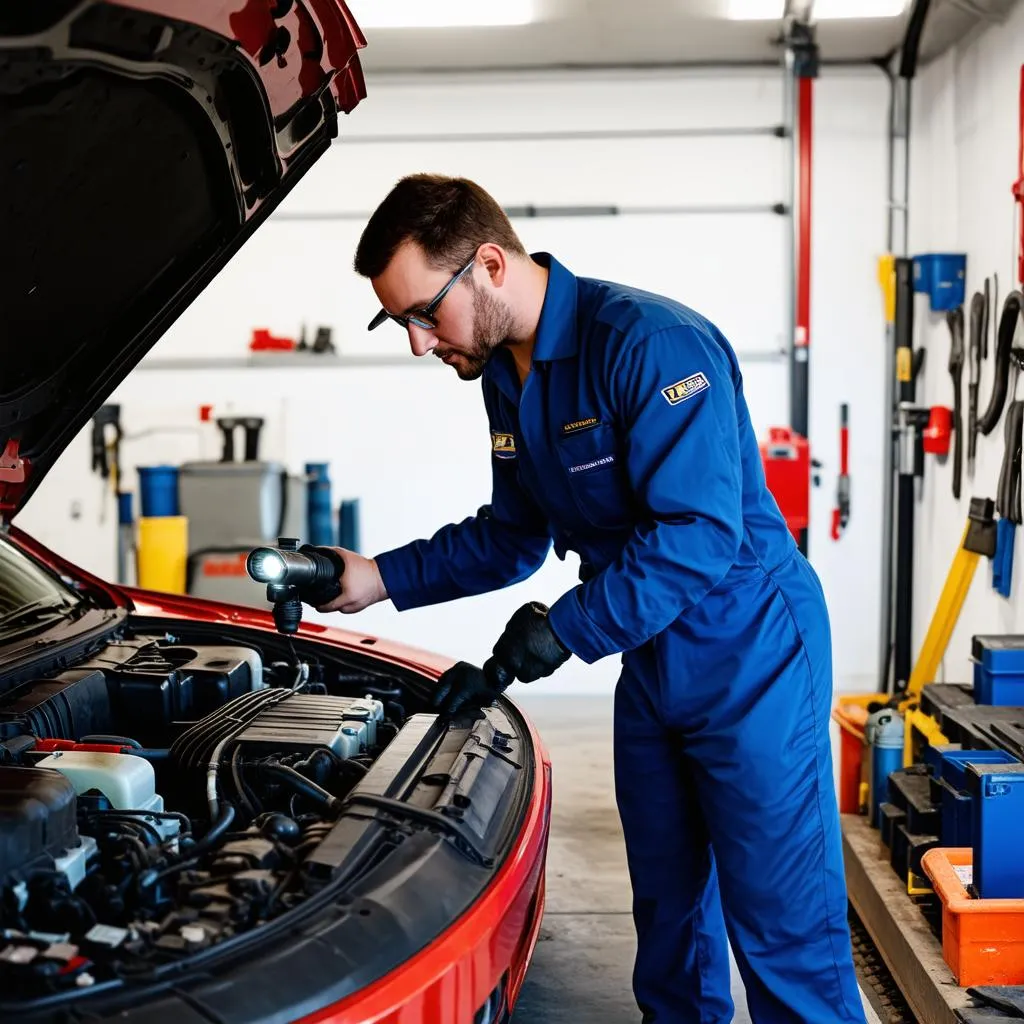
(619, 431)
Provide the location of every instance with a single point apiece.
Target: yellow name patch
(684, 389)
(579, 425)
(503, 445)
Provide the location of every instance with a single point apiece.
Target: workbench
(897, 927)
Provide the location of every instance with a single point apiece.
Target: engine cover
(281, 722)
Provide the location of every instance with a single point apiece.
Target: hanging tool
(986, 315)
(841, 513)
(252, 426)
(973, 376)
(1004, 342)
(1008, 497)
(955, 321)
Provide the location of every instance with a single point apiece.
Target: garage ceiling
(598, 33)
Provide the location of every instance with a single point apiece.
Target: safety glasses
(422, 317)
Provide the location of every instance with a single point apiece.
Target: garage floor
(582, 965)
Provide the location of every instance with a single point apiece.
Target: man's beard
(492, 326)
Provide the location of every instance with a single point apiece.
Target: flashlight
(294, 575)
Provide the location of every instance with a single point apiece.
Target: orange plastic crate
(982, 940)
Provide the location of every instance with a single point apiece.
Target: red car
(202, 819)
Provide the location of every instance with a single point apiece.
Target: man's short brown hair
(448, 218)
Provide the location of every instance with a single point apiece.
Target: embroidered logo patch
(503, 445)
(583, 466)
(684, 389)
(578, 426)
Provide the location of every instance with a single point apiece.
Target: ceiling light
(821, 10)
(373, 14)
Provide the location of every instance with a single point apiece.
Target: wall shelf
(285, 360)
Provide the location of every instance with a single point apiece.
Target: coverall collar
(556, 329)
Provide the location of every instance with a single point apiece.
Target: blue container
(998, 793)
(124, 508)
(943, 277)
(883, 732)
(319, 515)
(348, 525)
(999, 689)
(999, 653)
(158, 491)
(956, 801)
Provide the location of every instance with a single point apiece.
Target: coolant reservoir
(128, 782)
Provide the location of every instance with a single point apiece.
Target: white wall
(412, 442)
(964, 159)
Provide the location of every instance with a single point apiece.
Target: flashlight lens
(270, 567)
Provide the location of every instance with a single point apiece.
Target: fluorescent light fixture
(372, 14)
(821, 10)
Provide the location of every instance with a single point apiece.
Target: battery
(998, 794)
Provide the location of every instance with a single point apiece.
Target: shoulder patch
(503, 446)
(686, 388)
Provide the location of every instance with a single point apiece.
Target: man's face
(472, 319)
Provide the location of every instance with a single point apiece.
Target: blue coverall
(631, 445)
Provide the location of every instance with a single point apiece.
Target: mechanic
(619, 431)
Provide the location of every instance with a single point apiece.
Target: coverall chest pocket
(594, 466)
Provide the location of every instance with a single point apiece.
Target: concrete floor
(584, 958)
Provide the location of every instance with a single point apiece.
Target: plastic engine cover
(37, 817)
(304, 722)
(69, 705)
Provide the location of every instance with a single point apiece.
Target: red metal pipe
(804, 128)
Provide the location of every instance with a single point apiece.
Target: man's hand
(529, 649)
(466, 686)
(361, 584)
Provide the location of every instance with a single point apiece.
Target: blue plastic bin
(998, 689)
(158, 491)
(998, 793)
(957, 807)
(943, 277)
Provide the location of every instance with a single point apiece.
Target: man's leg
(762, 755)
(681, 975)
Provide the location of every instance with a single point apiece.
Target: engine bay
(161, 797)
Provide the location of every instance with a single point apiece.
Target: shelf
(897, 927)
(306, 361)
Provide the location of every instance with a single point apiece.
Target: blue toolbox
(998, 670)
(950, 780)
(998, 794)
(942, 277)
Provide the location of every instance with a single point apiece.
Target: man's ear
(495, 261)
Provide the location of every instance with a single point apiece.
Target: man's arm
(505, 542)
(677, 397)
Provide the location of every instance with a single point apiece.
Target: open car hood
(143, 142)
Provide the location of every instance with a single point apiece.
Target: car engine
(160, 797)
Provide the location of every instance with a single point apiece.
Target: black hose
(204, 845)
(303, 786)
(121, 741)
(912, 39)
(1012, 308)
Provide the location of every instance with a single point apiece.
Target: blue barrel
(884, 735)
(158, 491)
(348, 525)
(319, 517)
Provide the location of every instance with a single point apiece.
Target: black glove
(328, 587)
(465, 685)
(529, 649)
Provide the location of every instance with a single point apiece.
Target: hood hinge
(12, 466)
